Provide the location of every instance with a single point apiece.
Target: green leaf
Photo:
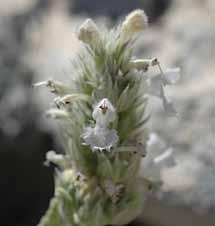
(105, 168)
(123, 101)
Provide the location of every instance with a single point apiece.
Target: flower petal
(100, 138)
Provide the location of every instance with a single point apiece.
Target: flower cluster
(103, 116)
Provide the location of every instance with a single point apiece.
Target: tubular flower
(101, 137)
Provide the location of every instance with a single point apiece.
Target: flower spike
(102, 116)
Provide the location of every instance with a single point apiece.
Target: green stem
(51, 218)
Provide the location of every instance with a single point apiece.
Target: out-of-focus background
(37, 41)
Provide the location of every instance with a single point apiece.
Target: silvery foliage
(102, 114)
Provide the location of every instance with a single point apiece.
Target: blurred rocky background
(37, 41)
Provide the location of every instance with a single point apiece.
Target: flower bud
(89, 33)
(134, 23)
(70, 98)
(58, 159)
(55, 87)
(57, 114)
(143, 64)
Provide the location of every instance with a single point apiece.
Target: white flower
(89, 33)
(168, 77)
(156, 88)
(101, 137)
(134, 23)
(158, 158)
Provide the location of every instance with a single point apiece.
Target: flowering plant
(103, 117)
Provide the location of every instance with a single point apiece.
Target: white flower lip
(100, 138)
